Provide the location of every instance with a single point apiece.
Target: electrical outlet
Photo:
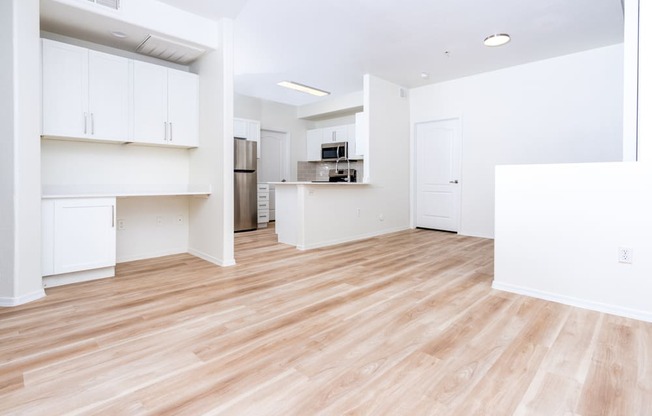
(121, 224)
(358, 212)
(381, 217)
(625, 255)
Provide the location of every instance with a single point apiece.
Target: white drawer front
(263, 196)
(263, 187)
(263, 205)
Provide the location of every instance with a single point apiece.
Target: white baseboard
(351, 238)
(78, 277)
(21, 300)
(151, 255)
(212, 259)
(572, 301)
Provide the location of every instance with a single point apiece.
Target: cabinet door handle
(170, 131)
(112, 216)
(85, 122)
(92, 124)
(333, 137)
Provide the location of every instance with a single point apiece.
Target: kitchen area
(319, 151)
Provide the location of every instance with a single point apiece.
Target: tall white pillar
(20, 154)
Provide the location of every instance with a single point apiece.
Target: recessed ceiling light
(303, 88)
(425, 75)
(118, 34)
(496, 40)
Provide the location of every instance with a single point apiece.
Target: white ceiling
(331, 44)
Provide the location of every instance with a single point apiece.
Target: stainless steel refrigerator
(245, 185)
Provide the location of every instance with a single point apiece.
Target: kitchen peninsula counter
(300, 206)
(321, 183)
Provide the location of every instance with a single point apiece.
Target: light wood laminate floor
(403, 324)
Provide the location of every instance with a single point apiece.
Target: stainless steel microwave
(334, 151)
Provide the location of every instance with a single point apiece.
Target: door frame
(414, 169)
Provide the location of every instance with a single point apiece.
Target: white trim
(78, 277)
(154, 254)
(351, 238)
(572, 301)
(6, 302)
(211, 259)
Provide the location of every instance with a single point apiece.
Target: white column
(645, 81)
(630, 96)
(20, 158)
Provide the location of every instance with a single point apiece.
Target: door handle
(92, 124)
(170, 131)
(85, 122)
(455, 181)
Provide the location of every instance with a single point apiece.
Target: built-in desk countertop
(121, 191)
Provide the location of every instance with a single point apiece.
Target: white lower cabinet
(78, 235)
(263, 205)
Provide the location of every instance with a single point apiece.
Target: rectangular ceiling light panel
(303, 88)
(169, 50)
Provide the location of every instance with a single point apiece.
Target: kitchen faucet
(348, 167)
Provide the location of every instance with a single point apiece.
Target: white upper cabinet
(183, 108)
(334, 134)
(108, 96)
(249, 130)
(91, 95)
(166, 106)
(150, 103)
(85, 93)
(344, 133)
(313, 144)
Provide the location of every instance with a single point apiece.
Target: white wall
(331, 107)
(331, 213)
(559, 227)
(20, 187)
(566, 109)
(558, 230)
(276, 117)
(151, 227)
(211, 219)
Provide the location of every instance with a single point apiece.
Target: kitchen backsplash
(318, 171)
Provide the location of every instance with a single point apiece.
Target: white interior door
(273, 165)
(438, 155)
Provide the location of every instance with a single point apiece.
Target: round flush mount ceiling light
(498, 39)
(118, 34)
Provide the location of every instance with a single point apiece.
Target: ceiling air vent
(169, 50)
(113, 4)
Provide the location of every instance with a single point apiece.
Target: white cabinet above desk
(94, 96)
(166, 107)
(85, 93)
